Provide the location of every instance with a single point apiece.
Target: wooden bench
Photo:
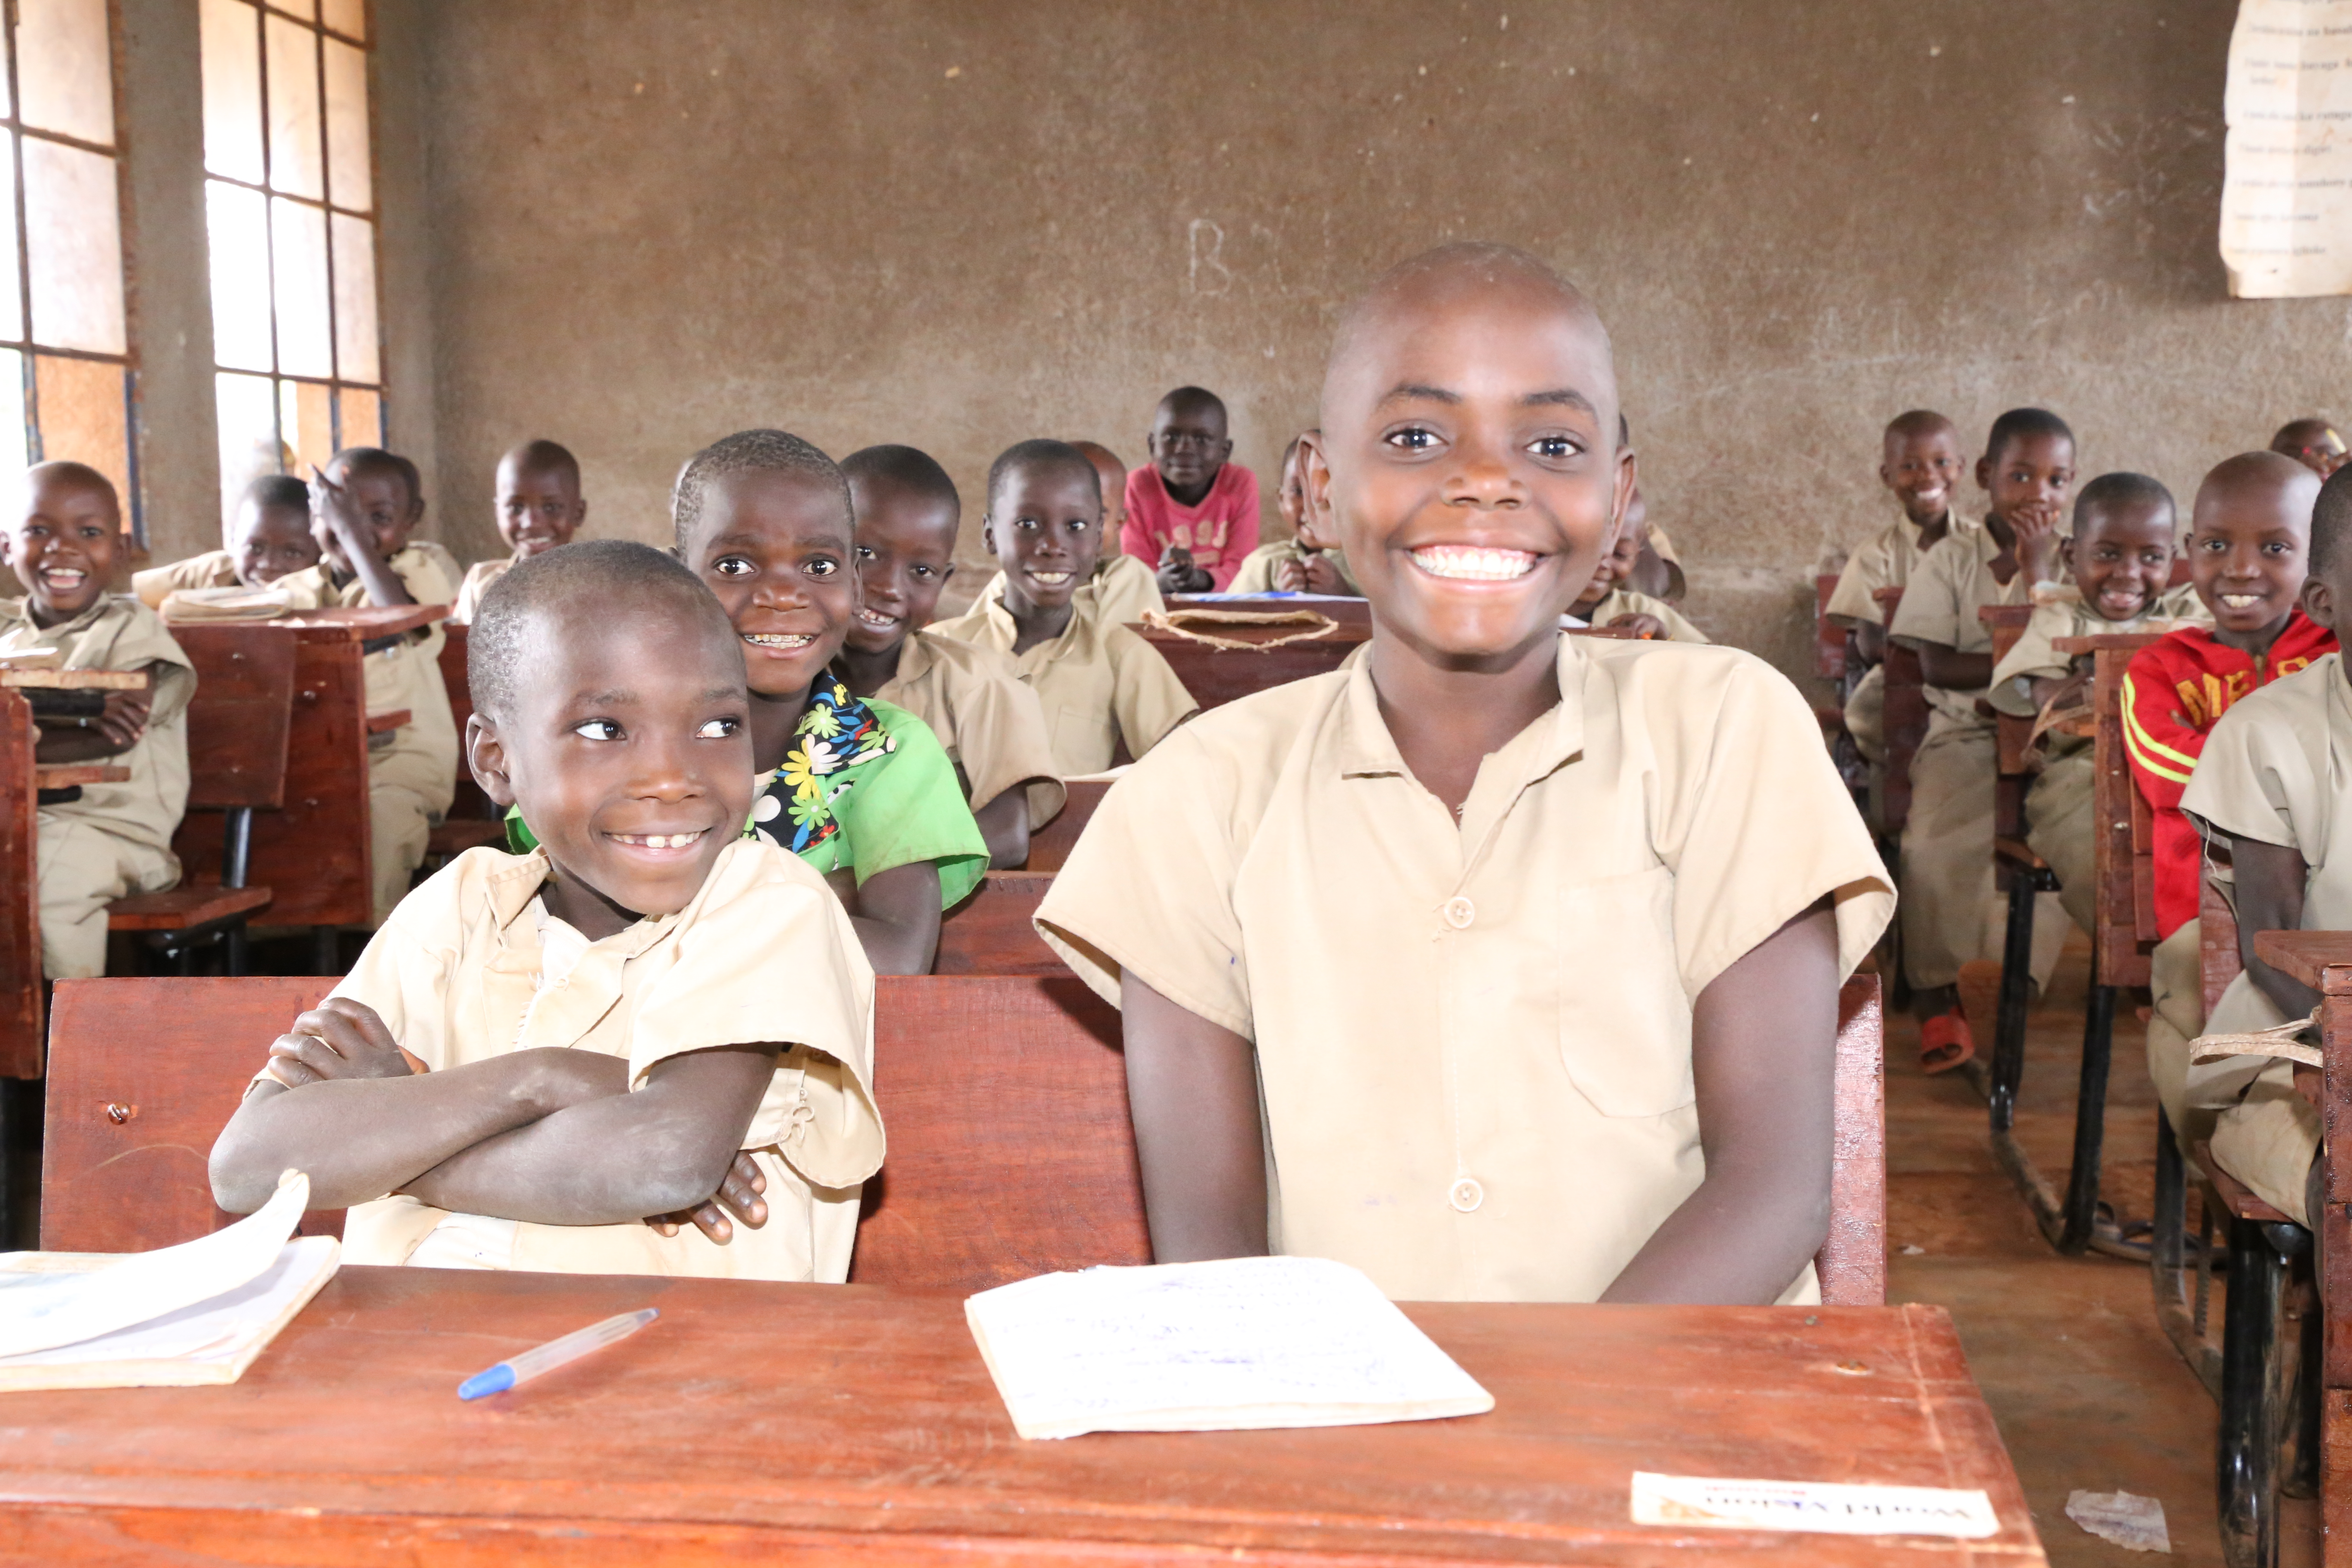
(1905, 720)
(1011, 1151)
(314, 852)
(2123, 937)
(990, 933)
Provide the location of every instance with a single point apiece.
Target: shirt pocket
(1624, 1020)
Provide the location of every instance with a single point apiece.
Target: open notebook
(1205, 1347)
(196, 1313)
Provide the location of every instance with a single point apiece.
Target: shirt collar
(1366, 750)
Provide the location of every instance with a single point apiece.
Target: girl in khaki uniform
(1503, 964)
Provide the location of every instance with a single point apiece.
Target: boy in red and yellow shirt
(2248, 550)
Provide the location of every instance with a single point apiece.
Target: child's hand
(740, 1193)
(125, 718)
(1315, 573)
(2037, 541)
(339, 1038)
(1643, 625)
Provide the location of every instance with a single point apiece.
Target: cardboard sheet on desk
(1239, 1344)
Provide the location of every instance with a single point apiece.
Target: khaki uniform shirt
(478, 578)
(1099, 682)
(213, 569)
(2032, 657)
(1885, 560)
(1474, 1041)
(1625, 602)
(1948, 585)
(423, 755)
(1256, 575)
(2277, 769)
(989, 720)
(1122, 587)
(120, 633)
(763, 953)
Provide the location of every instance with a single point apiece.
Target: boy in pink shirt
(1189, 510)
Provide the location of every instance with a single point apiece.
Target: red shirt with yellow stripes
(2173, 692)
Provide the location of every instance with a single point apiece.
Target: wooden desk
(314, 854)
(1217, 675)
(848, 1423)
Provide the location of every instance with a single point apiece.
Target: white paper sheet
(1240, 1343)
(2287, 197)
(1816, 1508)
(42, 1311)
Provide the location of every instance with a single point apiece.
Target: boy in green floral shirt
(860, 789)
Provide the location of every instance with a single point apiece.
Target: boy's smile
(538, 509)
(2030, 472)
(271, 542)
(62, 547)
(1045, 525)
(774, 545)
(905, 554)
(1922, 471)
(630, 754)
(2249, 542)
(1468, 464)
(2122, 556)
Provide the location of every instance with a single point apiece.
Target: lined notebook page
(1197, 1347)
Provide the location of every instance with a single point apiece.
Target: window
(290, 213)
(65, 361)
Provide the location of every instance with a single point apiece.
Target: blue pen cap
(498, 1380)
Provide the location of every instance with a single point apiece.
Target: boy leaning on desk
(648, 1016)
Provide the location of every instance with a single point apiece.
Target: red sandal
(1946, 1042)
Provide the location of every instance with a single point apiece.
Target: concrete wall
(958, 226)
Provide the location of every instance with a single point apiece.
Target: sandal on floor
(1944, 1042)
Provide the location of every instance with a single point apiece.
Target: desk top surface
(837, 1414)
(2308, 955)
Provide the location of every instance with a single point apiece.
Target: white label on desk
(1822, 1507)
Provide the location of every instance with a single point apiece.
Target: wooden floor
(2086, 1387)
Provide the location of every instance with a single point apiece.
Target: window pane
(232, 34)
(296, 154)
(64, 68)
(348, 177)
(74, 237)
(306, 415)
(362, 422)
(12, 453)
(79, 406)
(297, 255)
(248, 433)
(237, 227)
(348, 17)
(12, 296)
(355, 335)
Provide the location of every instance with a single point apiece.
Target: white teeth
(661, 840)
(1461, 561)
(779, 639)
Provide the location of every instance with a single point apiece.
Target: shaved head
(2258, 474)
(1447, 286)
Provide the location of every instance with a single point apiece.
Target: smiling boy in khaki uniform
(649, 1017)
(1504, 964)
(1106, 691)
(363, 509)
(114, 838)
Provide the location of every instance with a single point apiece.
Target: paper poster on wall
(2286, 201)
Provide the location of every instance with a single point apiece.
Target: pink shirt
(1218, 531)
